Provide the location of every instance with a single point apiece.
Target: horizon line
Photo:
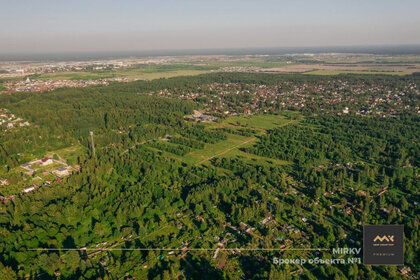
(217, 49)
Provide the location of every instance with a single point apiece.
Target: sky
(41, 26)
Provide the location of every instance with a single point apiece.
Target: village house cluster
(44, 171)
(18, 69)
(47, 85)
(200, 117)
(9, 121)
(328, 96)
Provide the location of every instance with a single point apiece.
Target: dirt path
(228, 150)
(134, 146)
(99, 250)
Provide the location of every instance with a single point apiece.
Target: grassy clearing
(248, 63)
(338, 72)
(259, 121)
(73, 76)
(251, 158)
(211, 150)
(231, 147)
(69, 154)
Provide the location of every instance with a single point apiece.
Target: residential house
(46, 161)
(29, 188)
(62, 172)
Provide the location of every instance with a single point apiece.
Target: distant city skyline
(110, 26)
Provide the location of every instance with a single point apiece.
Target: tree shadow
(69, 242)
(196, 267)
(254, 267)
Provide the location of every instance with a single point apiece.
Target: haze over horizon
(107, 26)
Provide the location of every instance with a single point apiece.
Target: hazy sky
(34, 26)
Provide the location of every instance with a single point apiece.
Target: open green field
(251, 158)
(144, 72)
(231, 147)
(368, 58)
(210, 151)
(258, 121)
(248, 63)
(73, 76)
(150, 72)
(69, 154)
(2, 87)
(133, 74)
(338, 72)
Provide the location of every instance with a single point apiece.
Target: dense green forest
(339, 172)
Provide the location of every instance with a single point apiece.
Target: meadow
(259, 121)
(231, 146)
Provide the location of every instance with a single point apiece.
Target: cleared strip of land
(228, 150)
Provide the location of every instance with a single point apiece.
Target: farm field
(132, 74)
(142, 72)
(364, 72)
(338, 68)
(248, 63)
